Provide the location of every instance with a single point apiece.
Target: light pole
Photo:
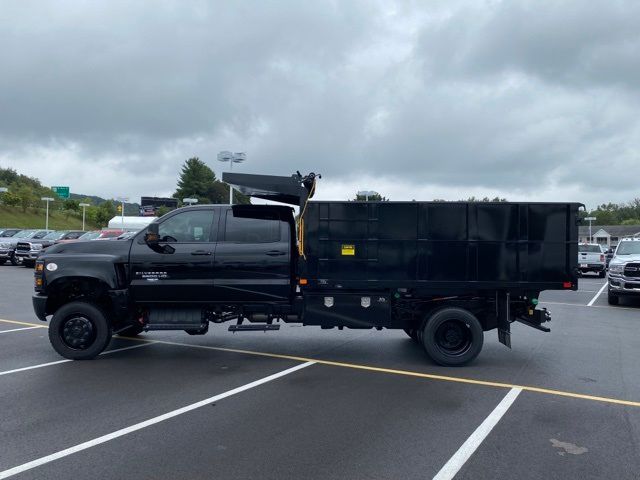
(190, 201)
(46, 222)
(590, 219)
(84, 207)
(232, 158)
(366, 194)
(122, 200)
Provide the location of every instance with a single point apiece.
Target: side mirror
(152, 237)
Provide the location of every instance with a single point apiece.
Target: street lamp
(84, 207)
(366, 194)
(46, 222)
(122, 200)
(190, 201)
(232, 158)
(590, 219)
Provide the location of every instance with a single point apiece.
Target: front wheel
(79, 331)
(612, 298)
(602, 274)
(15, 261)
(452, 336)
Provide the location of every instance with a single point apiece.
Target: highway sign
(62, 192)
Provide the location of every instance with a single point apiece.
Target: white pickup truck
(591, 258)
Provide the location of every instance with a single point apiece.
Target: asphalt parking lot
(311, 403)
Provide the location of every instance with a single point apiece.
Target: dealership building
(607, 235)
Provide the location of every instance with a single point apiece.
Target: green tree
(195, 180)
(371, 198)
(11, 199)
(26, 197)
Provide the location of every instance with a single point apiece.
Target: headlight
(617, 268)
(36, 246)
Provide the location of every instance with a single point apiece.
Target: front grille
(23, 247)
(632, 270)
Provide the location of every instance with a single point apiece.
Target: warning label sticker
(348, 250)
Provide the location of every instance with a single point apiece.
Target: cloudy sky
(428, 99)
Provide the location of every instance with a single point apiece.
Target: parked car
(29, 249)
(98, 235)
(9, 232)
(8, 244)
(624, 270)
(591, 258)
(127, 235)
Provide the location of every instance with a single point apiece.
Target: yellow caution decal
(348, 250)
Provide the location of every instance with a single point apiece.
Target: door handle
(275, 253)
(201, 252)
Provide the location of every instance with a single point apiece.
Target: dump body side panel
(440, 247)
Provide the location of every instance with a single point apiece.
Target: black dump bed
(441, 246)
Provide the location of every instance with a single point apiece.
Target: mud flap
(503, 299)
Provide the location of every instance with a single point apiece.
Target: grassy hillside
(34, 218)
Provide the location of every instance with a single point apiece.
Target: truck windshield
(628, 248)
(589, 248)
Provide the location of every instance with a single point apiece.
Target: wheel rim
(77, 332)
(453, 338)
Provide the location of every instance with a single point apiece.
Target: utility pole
(84, 207)
(590, 219)
(232, 158)
(46, 222)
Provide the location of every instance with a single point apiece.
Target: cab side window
(252, 228)
(187, 227)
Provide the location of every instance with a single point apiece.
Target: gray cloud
(519, 99)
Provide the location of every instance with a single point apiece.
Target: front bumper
(6, 253)
(31, 255)
(40, 306)
(621, 285)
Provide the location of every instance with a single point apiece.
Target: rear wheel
(612, 298)
(79, 331)
(452, 336)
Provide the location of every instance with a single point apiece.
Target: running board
(253, 328)
(176, 326)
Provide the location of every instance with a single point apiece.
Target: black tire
(452, 336)
(612, 298)
(132, 331)
(15, 261)
(3, 261)
(79, 331)
(602, 274)
(413, 333)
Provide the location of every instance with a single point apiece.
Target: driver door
(180, 268)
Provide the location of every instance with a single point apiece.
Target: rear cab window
(253, 226)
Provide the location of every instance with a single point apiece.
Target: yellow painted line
(410, 373)
(407, 373)
(24, 323)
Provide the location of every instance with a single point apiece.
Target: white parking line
(23, 369)
(147, 423)
(455, 463)
(595, 297)
(18, 329)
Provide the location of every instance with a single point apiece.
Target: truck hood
(622, 259)
(111, 247)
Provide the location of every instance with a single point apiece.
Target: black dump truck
(444, 272)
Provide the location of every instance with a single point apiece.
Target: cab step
(176, 319)
(253, 328)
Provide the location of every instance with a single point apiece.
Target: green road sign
(63, 192)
